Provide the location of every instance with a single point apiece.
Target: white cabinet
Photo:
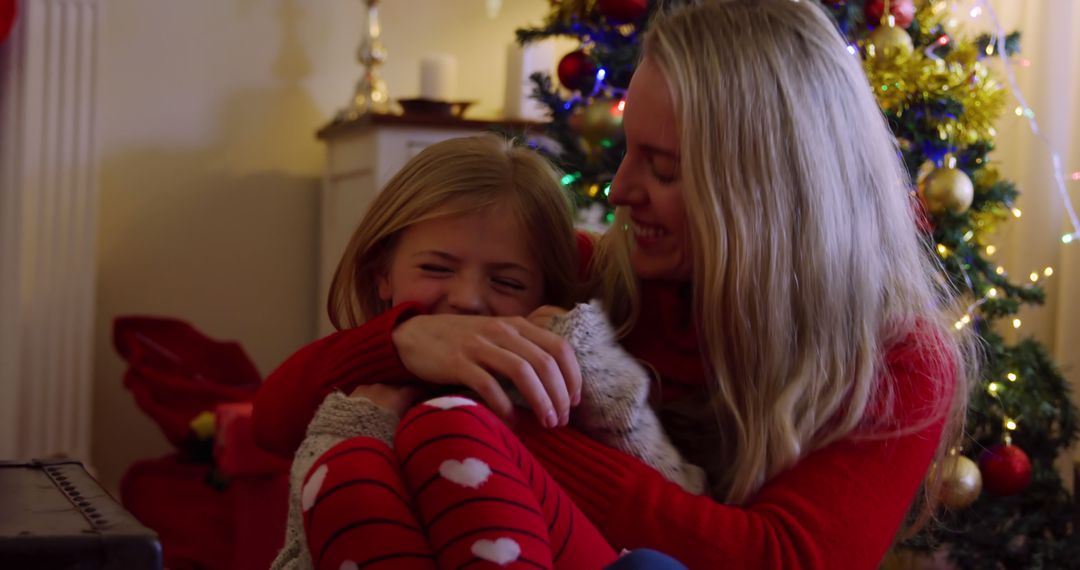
(362, 155)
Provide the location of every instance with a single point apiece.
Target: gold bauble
(947, 188)
(599, 120)
(961, 482)
(890, 40)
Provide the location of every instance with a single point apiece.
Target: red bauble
(902, 10)
(7, 18)
(1006, 470)
(577, 71)
(622, 11)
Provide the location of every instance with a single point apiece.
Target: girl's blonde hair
(455, 177)
(807, 264)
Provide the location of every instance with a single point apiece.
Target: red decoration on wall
(8, 11)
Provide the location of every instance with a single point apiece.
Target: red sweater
(839, 507)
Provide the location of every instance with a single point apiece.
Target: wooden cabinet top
(338, 128)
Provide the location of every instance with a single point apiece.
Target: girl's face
(648, 182)
(471, 264)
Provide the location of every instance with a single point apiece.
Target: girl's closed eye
(509, 283)
(436, 269)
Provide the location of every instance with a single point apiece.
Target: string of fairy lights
(997, 46)
(1023, 109)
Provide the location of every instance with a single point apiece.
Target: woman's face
(648, 182)
(477, 263)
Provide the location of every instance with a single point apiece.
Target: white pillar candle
(438, 77)
(521, 62)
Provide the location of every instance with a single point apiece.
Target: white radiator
(48, 228)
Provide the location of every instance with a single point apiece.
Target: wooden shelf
(338, 128)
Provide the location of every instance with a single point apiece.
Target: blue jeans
(645, 559)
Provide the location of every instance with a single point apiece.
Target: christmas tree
(1005, 505)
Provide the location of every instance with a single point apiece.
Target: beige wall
(209, 179)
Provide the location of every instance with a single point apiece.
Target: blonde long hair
(455, 177)
(807, 264)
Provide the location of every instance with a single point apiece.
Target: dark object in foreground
(55, 515)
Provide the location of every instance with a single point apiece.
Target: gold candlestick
(370, 95)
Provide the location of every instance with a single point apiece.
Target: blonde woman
(767, 266)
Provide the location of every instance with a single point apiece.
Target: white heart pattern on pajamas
(502, 551)
(447, 402)
(312, 486)
(469, 473)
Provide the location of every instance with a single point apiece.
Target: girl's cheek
(517, 306)
(427, 292)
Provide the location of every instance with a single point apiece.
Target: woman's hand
(397, 399)
(472, 350)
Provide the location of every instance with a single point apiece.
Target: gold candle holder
(370, 95)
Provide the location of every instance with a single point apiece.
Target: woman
(766, 264)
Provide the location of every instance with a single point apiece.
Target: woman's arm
(614, 407)
(839, 507)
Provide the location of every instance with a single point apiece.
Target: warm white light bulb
(1016, 323)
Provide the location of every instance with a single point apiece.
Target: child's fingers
(542, 316)
(501, 357)
(447, 349)
(541, 365)
(563, 354)
(487, 388)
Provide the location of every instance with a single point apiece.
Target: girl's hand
(471, 351)
(542, 317)
(397, 399)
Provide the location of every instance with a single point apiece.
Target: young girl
(471, 227)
